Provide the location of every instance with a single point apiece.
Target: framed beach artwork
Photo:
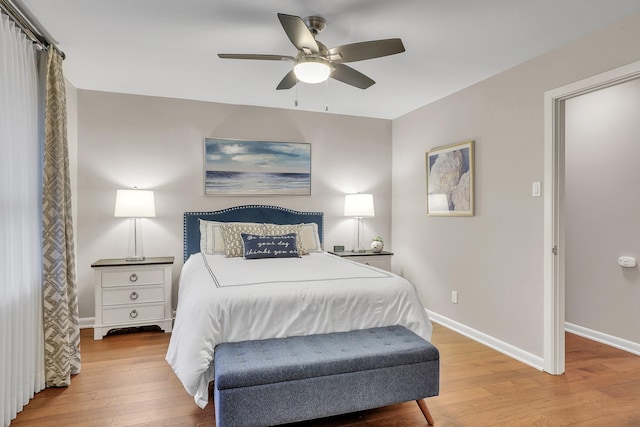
(450, 180)
(254, 168)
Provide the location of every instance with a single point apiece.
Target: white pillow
(310, 237)
(211, 239)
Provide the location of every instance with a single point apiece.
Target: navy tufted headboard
(246, 213)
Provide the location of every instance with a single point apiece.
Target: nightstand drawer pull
(133, 277)
(134, 295)
(133, 314)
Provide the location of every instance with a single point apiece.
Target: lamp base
(358, 246)
(135, 252)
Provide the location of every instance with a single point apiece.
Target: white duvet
(232, 299)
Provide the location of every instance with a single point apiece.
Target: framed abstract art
(450, 180)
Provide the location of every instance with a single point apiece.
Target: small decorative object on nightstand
(132, 293)
(377, 244)
(380, 259)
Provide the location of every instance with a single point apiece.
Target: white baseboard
(494, 343)
(86, 322)
(620, 343)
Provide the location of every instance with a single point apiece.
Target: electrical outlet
(454, 297)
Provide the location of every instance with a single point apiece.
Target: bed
(224, 297)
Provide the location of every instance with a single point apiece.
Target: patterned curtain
(61, 327)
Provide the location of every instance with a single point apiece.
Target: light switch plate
(535, 189)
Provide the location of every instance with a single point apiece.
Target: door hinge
(554, 250)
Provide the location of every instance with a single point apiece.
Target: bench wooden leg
(425, 411)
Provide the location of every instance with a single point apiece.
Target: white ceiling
(169, 47)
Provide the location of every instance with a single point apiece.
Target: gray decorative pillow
(232, 234)
(278, 230)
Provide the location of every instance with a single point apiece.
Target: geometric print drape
(60, 291)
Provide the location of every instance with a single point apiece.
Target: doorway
(554, 248)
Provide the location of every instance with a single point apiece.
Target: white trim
(601, 337)
(553, 275)
(494, 343)
(599, 81)
(87, 322)
(553, 292)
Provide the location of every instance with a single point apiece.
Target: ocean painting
(239, 167)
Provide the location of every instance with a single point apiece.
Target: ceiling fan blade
(252, 56)
(298, 33)
(366, 50)
(348, 75)
(288, 81)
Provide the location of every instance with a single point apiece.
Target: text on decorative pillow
(257, 246)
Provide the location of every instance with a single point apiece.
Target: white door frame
(554, 256)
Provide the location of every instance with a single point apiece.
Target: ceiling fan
(314, 63)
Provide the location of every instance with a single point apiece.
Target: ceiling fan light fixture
(312, 70)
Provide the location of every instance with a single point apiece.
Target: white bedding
(232, 299)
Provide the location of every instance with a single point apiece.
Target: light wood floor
(125, 381)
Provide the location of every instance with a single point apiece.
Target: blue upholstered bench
(284, 380)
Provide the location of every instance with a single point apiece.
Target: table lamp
(359, 206)
(135, 204)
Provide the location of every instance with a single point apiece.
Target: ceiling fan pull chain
(326, 107)
(296, 103)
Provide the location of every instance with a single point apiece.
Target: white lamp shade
(135, 204)
(312, 70)
(358, 205)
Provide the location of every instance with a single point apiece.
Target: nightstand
(132, 293)
(375, 259)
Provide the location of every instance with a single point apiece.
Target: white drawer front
(382, 262)
(131, 314)
(131, 276)
(132, 295)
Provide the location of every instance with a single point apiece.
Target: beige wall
(157, 143)
(602, 205)
(494, 259)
